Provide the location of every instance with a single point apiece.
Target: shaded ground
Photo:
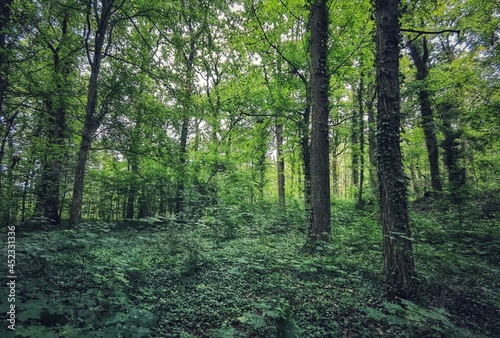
(241, 272)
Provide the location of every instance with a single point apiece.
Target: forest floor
(241, 272)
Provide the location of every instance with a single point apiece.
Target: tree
(280, 162)
(319, 230)
(398, 256)
(420, 59)
(61, 44)
(96, 49)
(6, 120)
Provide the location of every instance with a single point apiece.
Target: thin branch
(420, 32)
(269, 115)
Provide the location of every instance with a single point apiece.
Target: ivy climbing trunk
(397, 245)
(420, 59)
(319, 230)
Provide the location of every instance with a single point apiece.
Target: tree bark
(420, 60)
(397, 245)
(319, 230)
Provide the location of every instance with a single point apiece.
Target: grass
(241, 272)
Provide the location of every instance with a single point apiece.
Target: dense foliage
(170, 165)
(240, 271)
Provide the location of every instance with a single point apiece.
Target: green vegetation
(158, 278)
(253, 168)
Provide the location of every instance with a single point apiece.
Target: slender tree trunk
(355, 150)
(92, 121)
(143, 203)
(319, 230)
(420, 61)
(261, 151)
(132, 189)
(361, 141)
(179, 203)
(397, 245)
(335, 164)
(280, 162)
(306, 150)
(372, 148)
(453, 154)
(414, 178)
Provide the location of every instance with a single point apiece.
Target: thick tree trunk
(57, 131)
(420, 61)
(55, 166)
(5, 6)
(319, 230)
(397, 245)
(280, 163)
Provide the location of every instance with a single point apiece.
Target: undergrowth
(241, 271)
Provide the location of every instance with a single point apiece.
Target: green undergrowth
(241, 271)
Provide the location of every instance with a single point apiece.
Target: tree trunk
(5, 6)
(361, 141)
(92, 121)
(319, 230)
(280, 162)
(132, 188)
(452, 154)
(372, 148)
(56, 130)
(355, 150)
(306, 150)
(179, 201)
(420, 61)
(397, 245)
(335, 164)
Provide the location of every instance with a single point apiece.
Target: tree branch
(420, 32)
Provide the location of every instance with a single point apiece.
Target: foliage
(166, 278)
(183, 234)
